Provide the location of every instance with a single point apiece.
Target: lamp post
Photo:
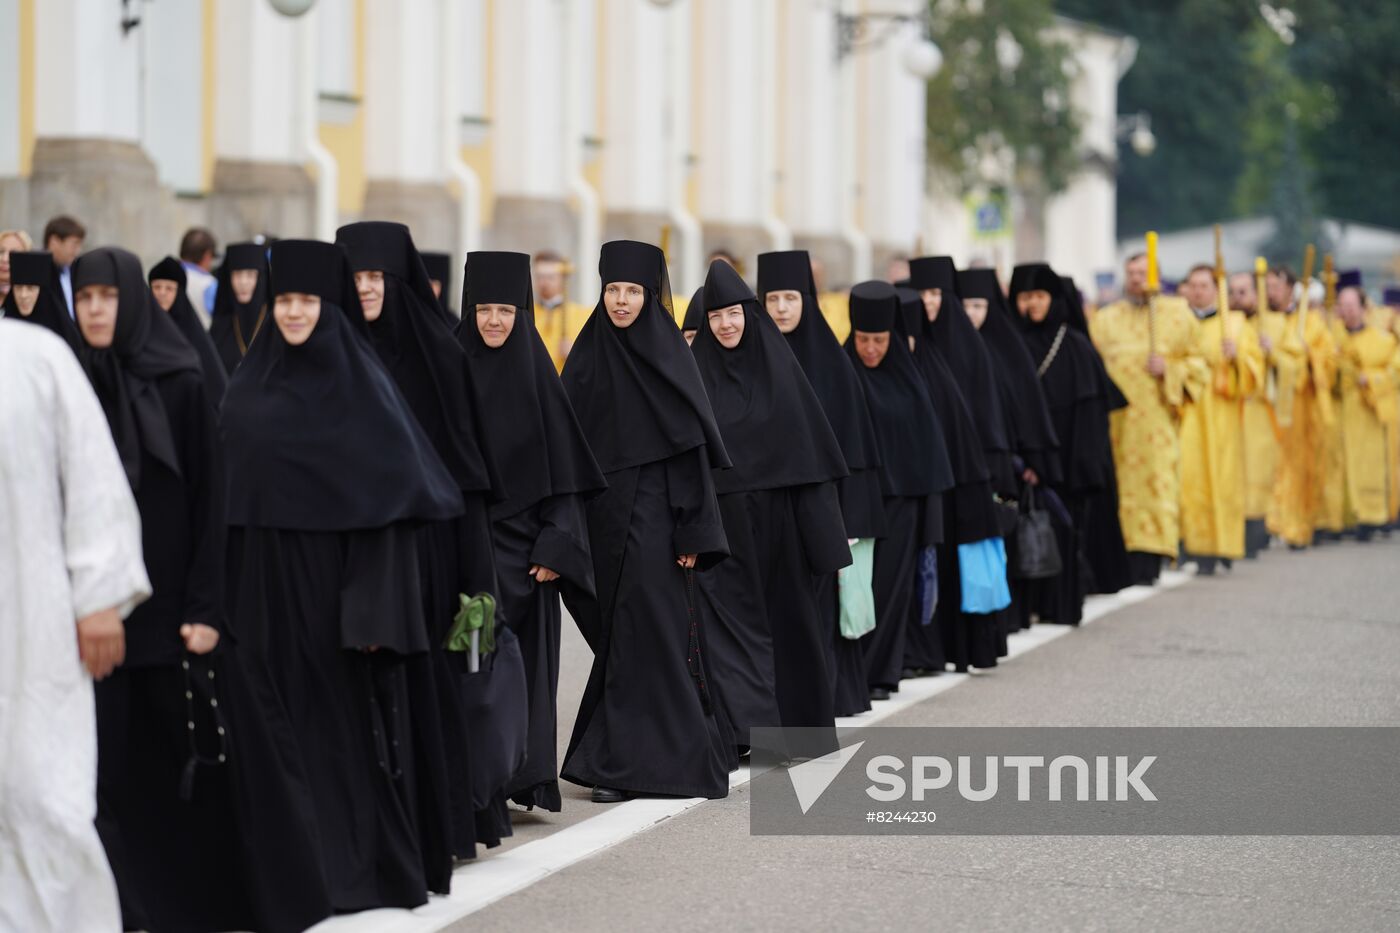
(292, 8)
(921, 58)
(1136, 129)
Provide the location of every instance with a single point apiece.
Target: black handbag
(495, 701)
(1036, 553)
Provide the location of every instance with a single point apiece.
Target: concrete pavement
(1292, 639)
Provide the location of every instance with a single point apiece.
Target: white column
(811, 121)
(460, 90)
(736, 99)
(731, 91)
(88, 104)
(947, 228)
(171, 36)
(636, 106)
(256, 115)
(850, 162)
(9, 89)
(403, 107)
(528, 98)
(646, 52)
(1081, 221)
(580, 104)
(891, 130)
(86, 71)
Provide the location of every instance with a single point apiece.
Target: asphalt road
(1291, 639)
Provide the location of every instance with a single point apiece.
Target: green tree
(1004, 89)
(1187, 77)
(1291, 202)
(1224, 91)
(1347, 49)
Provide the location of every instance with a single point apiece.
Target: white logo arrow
(811, 778)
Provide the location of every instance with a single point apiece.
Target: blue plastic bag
(926, 584)
(982, 566)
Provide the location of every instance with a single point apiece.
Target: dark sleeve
(381, 601)
(476, 554)
(694, 509)
(203, 466)
(1091, 451)
(821, 528)
(862, 503)
(1113, 396)
(562, 544)
(930, 531)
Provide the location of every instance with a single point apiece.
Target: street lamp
(1136, 128)
(921, 58)
(292, 8)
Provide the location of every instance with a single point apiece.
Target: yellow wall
(26, 85)
(346, 141)
(478, 157)
(209, 50)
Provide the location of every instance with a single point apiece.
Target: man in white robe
(71, 569)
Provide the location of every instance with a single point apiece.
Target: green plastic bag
(856, 590)
(477, 614)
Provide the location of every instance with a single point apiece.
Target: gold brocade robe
(1383, 318)
(836, 308)
(559, 327)
(1305, 372)
(1260, 430)
(1212, 439)
(1370, 415)
(679, 305)
(1335, 515)
(1145, 435)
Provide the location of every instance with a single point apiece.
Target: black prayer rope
(196, 759)
(692, 659)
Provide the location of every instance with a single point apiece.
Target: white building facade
(513, 124)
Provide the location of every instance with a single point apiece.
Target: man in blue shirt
(197, 249)
(63, 237)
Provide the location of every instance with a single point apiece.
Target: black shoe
(609, 795)
(879, 693)
(909, 673)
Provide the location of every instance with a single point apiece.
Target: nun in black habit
(45, 307)
(201, 800)
(1032, 429)
(414, 339)
(647, 723)
(240, 302)
(1080, 395)
(329, 479)
(694, 316)
(1110, 563)
(953, 337)
(969, 514)
(789, 294)
(171, 298)
(547, 474)
(946, 327)
(782, 517)
(916, 471)
(439, 269)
